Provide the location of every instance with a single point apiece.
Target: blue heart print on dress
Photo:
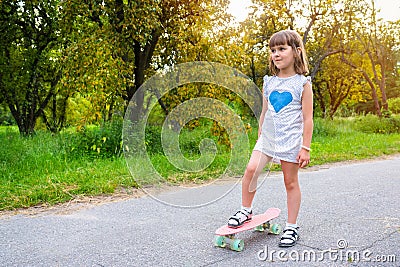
(280, 100)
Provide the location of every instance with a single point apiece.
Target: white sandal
(240, 218)
(289, 237)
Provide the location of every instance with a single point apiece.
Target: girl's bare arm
(262, 116)
(307, 108)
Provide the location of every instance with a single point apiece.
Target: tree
(129, 34)
(376, 42)
(336, 84)
(29, 71)
(329, 28)
(269, 17)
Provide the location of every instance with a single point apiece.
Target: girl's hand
(303, 158)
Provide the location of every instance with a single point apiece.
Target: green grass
(38, 170)
(50, 169)
(342, 139)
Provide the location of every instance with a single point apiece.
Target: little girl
(285, 129)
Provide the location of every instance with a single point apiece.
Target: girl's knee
(251, 169)
(292, 185)
(250, 172)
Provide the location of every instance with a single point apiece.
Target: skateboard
(225, 235)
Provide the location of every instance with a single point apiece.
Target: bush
(96, 141)
(394, 105)
(153, 140)
(373, 124)
(189, 139)
(324, 128)
(6, 118)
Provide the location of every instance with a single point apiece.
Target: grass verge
(42, 170)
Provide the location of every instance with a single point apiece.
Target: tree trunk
(320, 99)
(370, 83)
(374, 94)
(143, 57)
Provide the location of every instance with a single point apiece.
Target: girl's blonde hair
(293, 39)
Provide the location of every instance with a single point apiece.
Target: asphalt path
(350, 216)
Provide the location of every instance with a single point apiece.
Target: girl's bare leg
(291, 178)
(257, 162)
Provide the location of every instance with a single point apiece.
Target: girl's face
(283, 57)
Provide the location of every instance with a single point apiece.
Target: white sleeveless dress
(282, 130)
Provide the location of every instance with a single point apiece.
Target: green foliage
(373, 124)
(85, 69)
(394, 105)
(337, 85)
(346, 140)
(153, 140)
(324, 128)
(29, 58)
(189, 137)
(211, 91)
(55, 53)
(6, 118)
(103, 141)
(42, 169)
